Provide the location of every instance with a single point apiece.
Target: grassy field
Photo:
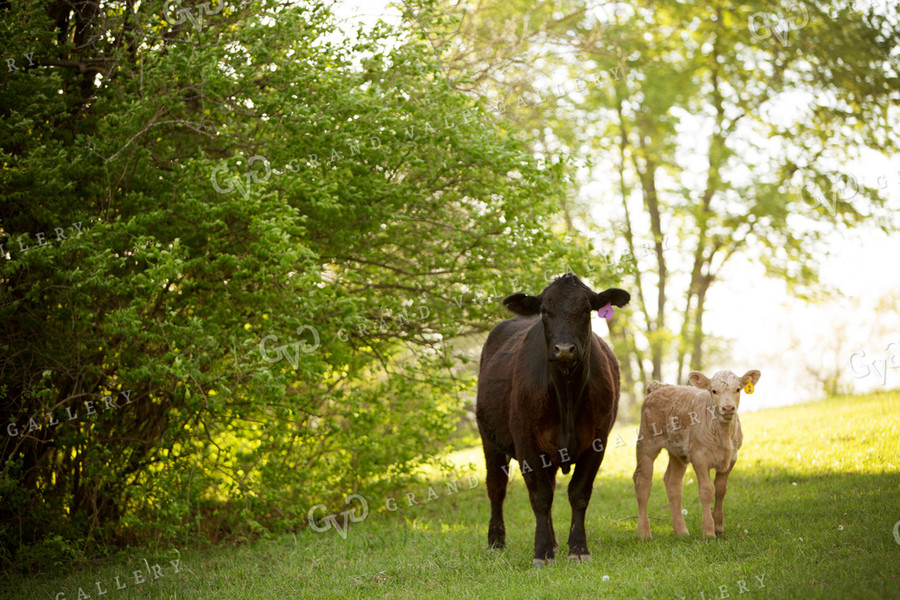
(811, 512)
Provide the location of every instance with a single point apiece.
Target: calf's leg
(643, 479)
(707, 492)
(674, 479)
(721, 485)
(497, 464)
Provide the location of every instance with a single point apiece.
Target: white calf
(697, 425)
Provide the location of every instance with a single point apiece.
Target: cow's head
(565, 307)
(725, 390)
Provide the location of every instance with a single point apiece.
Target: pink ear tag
(606, 312)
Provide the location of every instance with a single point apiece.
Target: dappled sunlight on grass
(455, 527)
(832, 435)
(818, 526)
(468, 459)
(842, 434)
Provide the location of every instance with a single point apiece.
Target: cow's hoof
(682, 532)
(580, 557)
(540, 562)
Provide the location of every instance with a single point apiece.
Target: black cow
(548, 392)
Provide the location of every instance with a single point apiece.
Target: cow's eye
(715, 392)
(738, 390)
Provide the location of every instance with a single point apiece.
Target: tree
(709, 84)
(267, 240)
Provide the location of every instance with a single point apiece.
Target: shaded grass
(810, 513)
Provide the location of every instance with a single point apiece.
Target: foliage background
(286, 243)
(238, 174)
(706, 136)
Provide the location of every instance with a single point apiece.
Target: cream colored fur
(696, 425)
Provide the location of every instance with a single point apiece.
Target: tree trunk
(629, 239)
(651, 199)
(697, 350)
(700, 283)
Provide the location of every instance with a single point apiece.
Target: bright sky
(785, 337)
(366, 12)
(791, 341)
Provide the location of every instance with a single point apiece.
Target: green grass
(810, 510)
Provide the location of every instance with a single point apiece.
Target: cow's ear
(699, 380)
(750, 376)
(523, 304)
(613, 296)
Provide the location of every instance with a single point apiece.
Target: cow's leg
(552, 531)
(674, 478)
(643, 479)
(497, 463)
(707, 492)
(580, 489)
(721, 484)
(540, 492)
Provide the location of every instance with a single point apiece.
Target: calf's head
(565, 307)
(725, 390)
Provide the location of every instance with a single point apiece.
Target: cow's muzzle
(563, 353)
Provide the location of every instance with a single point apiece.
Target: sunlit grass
(810, 513)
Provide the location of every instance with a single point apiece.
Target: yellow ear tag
(749, 387)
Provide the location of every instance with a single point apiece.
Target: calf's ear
(752, 375)
(613, 296)
(523, 304)
(699, 380)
